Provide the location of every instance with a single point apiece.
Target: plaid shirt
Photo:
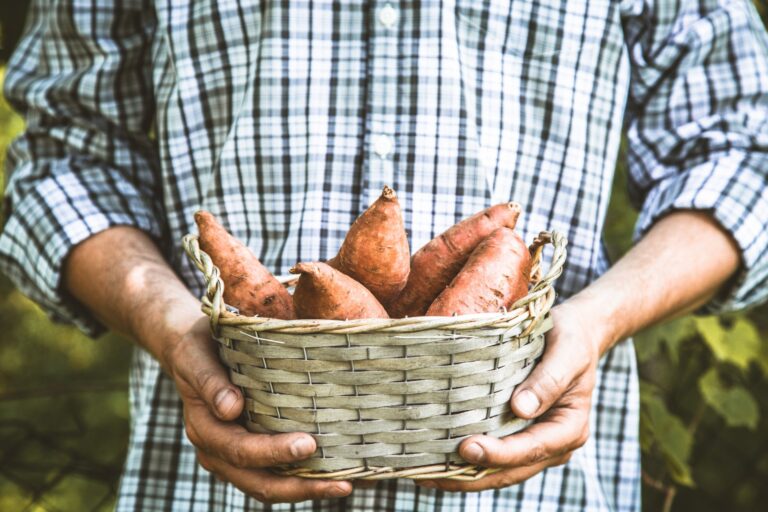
(286, 118)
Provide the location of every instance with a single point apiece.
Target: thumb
(548, 381)
(200, 376)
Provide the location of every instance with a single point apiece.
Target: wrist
(161, 314)
(604, 325)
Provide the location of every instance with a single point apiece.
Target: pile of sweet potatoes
(478, 265)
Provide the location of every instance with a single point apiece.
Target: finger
(197, 365)
(498, 480)
(562, 430)
(270, 488)
(550, 379)
(240, 448)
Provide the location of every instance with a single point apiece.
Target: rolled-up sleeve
(81, 78)
(698, 125)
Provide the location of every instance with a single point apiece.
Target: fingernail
(225, 401)
(336, 491)
(527, 402)
(302, 447)
(474, 453)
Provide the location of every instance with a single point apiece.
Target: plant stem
(670, 491)
(653, 483)
(669, 497)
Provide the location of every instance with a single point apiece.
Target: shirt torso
(286, 119)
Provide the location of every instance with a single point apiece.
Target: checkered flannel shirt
(286, 117)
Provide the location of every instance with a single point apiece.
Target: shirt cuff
(48, 221)
(733, 190)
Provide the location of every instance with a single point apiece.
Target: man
(286, 119)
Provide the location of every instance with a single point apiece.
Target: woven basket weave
(384, 398)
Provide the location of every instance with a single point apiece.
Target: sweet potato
(248, 285)
(325, 293)
(434, 265)
(496, 274)
(375, 251)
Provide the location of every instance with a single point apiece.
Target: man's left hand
(558, 392)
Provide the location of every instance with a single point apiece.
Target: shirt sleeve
(81, 78)
(698, 124)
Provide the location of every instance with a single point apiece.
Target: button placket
(381, 120)
(388, 15)
(382, 145)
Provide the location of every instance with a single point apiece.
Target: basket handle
(559, 244)
(214, 292)
(214, 286)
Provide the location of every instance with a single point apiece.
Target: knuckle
(537, 453)
(237, 455)
(507, 480)
(561, 460)
(192, 434)
(263, 495)
(551, 382)
(273, 453)
(583, 437)
(206, 381)
(204, 461)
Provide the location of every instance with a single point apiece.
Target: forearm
(678, 266)
(121, 277)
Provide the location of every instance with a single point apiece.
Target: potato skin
(323, 292)
(248, 285)
(440, 260)
(375, 251)
(495, 276)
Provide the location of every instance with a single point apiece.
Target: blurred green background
(64, 406)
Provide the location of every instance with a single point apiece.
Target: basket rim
(533, 306)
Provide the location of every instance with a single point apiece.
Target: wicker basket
(384, 398)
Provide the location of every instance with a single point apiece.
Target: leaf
(735, 404)
(739, 345)
(647, 345)
(666, 432)
(670, 334)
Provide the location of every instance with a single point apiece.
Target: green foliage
(703, 385)
(734, 404)
(667, 336)
(739, 345)
(63, 403)
(663, 434)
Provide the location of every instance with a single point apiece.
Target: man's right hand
(123, 279)
(226, 449)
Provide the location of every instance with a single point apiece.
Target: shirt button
(382, 145)
(388, 16)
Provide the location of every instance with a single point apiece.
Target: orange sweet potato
(496, 275)
(248, 285)
(375, 251)
(325, 293)
(434, 265)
